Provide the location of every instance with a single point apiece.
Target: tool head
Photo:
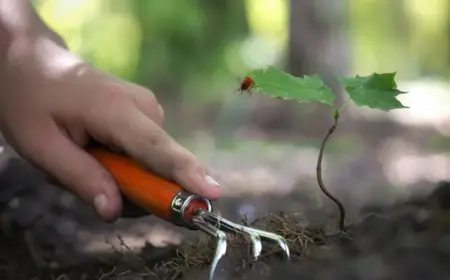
(217, 226)
(169, 201)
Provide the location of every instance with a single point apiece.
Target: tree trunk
(315, 47)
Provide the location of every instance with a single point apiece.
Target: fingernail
(210, 180)
(161, 110)
(100, 203)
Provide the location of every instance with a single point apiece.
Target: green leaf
(378, 91)
(276, 83)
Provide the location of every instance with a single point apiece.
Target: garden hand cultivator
(169, 201)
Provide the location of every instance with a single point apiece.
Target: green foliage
(401, 38)
(378, 91)
(185, 46)
(179, 49)
(273, 82)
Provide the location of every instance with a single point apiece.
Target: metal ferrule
(179, 206)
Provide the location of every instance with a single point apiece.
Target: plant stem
(345, 104)
(319, 174)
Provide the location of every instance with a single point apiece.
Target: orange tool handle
(149, 191)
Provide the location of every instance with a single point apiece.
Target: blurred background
(193, 54)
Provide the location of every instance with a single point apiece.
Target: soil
(44, 229)
(407, 241)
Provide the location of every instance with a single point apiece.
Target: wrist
(19, 22)
(20, 27)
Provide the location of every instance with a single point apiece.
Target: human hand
(53, 103)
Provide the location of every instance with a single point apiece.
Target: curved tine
(269, 236)
(256, 245)
(221, 246)
(229, 226)
(254, 234)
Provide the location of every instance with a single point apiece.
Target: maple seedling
(377, 91)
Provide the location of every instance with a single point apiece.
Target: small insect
(246, 86)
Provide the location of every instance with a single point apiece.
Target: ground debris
(409, 241)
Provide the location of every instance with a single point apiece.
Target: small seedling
(377, 91)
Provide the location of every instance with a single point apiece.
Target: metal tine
(231, 227)
(269, 236)
(255, 234)
(221, 246)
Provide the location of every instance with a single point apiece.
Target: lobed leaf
(276, 83)
(378, 91)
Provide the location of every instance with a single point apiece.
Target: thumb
(52, 151)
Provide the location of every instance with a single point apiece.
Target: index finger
(125, 126)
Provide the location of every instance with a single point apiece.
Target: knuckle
(106, 111)
(92, 176)
(111, 96)
(157, 138)
(114, 93)
(149, 104)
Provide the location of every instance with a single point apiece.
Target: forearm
(17, 15)
(20, 26)
(18, 20)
